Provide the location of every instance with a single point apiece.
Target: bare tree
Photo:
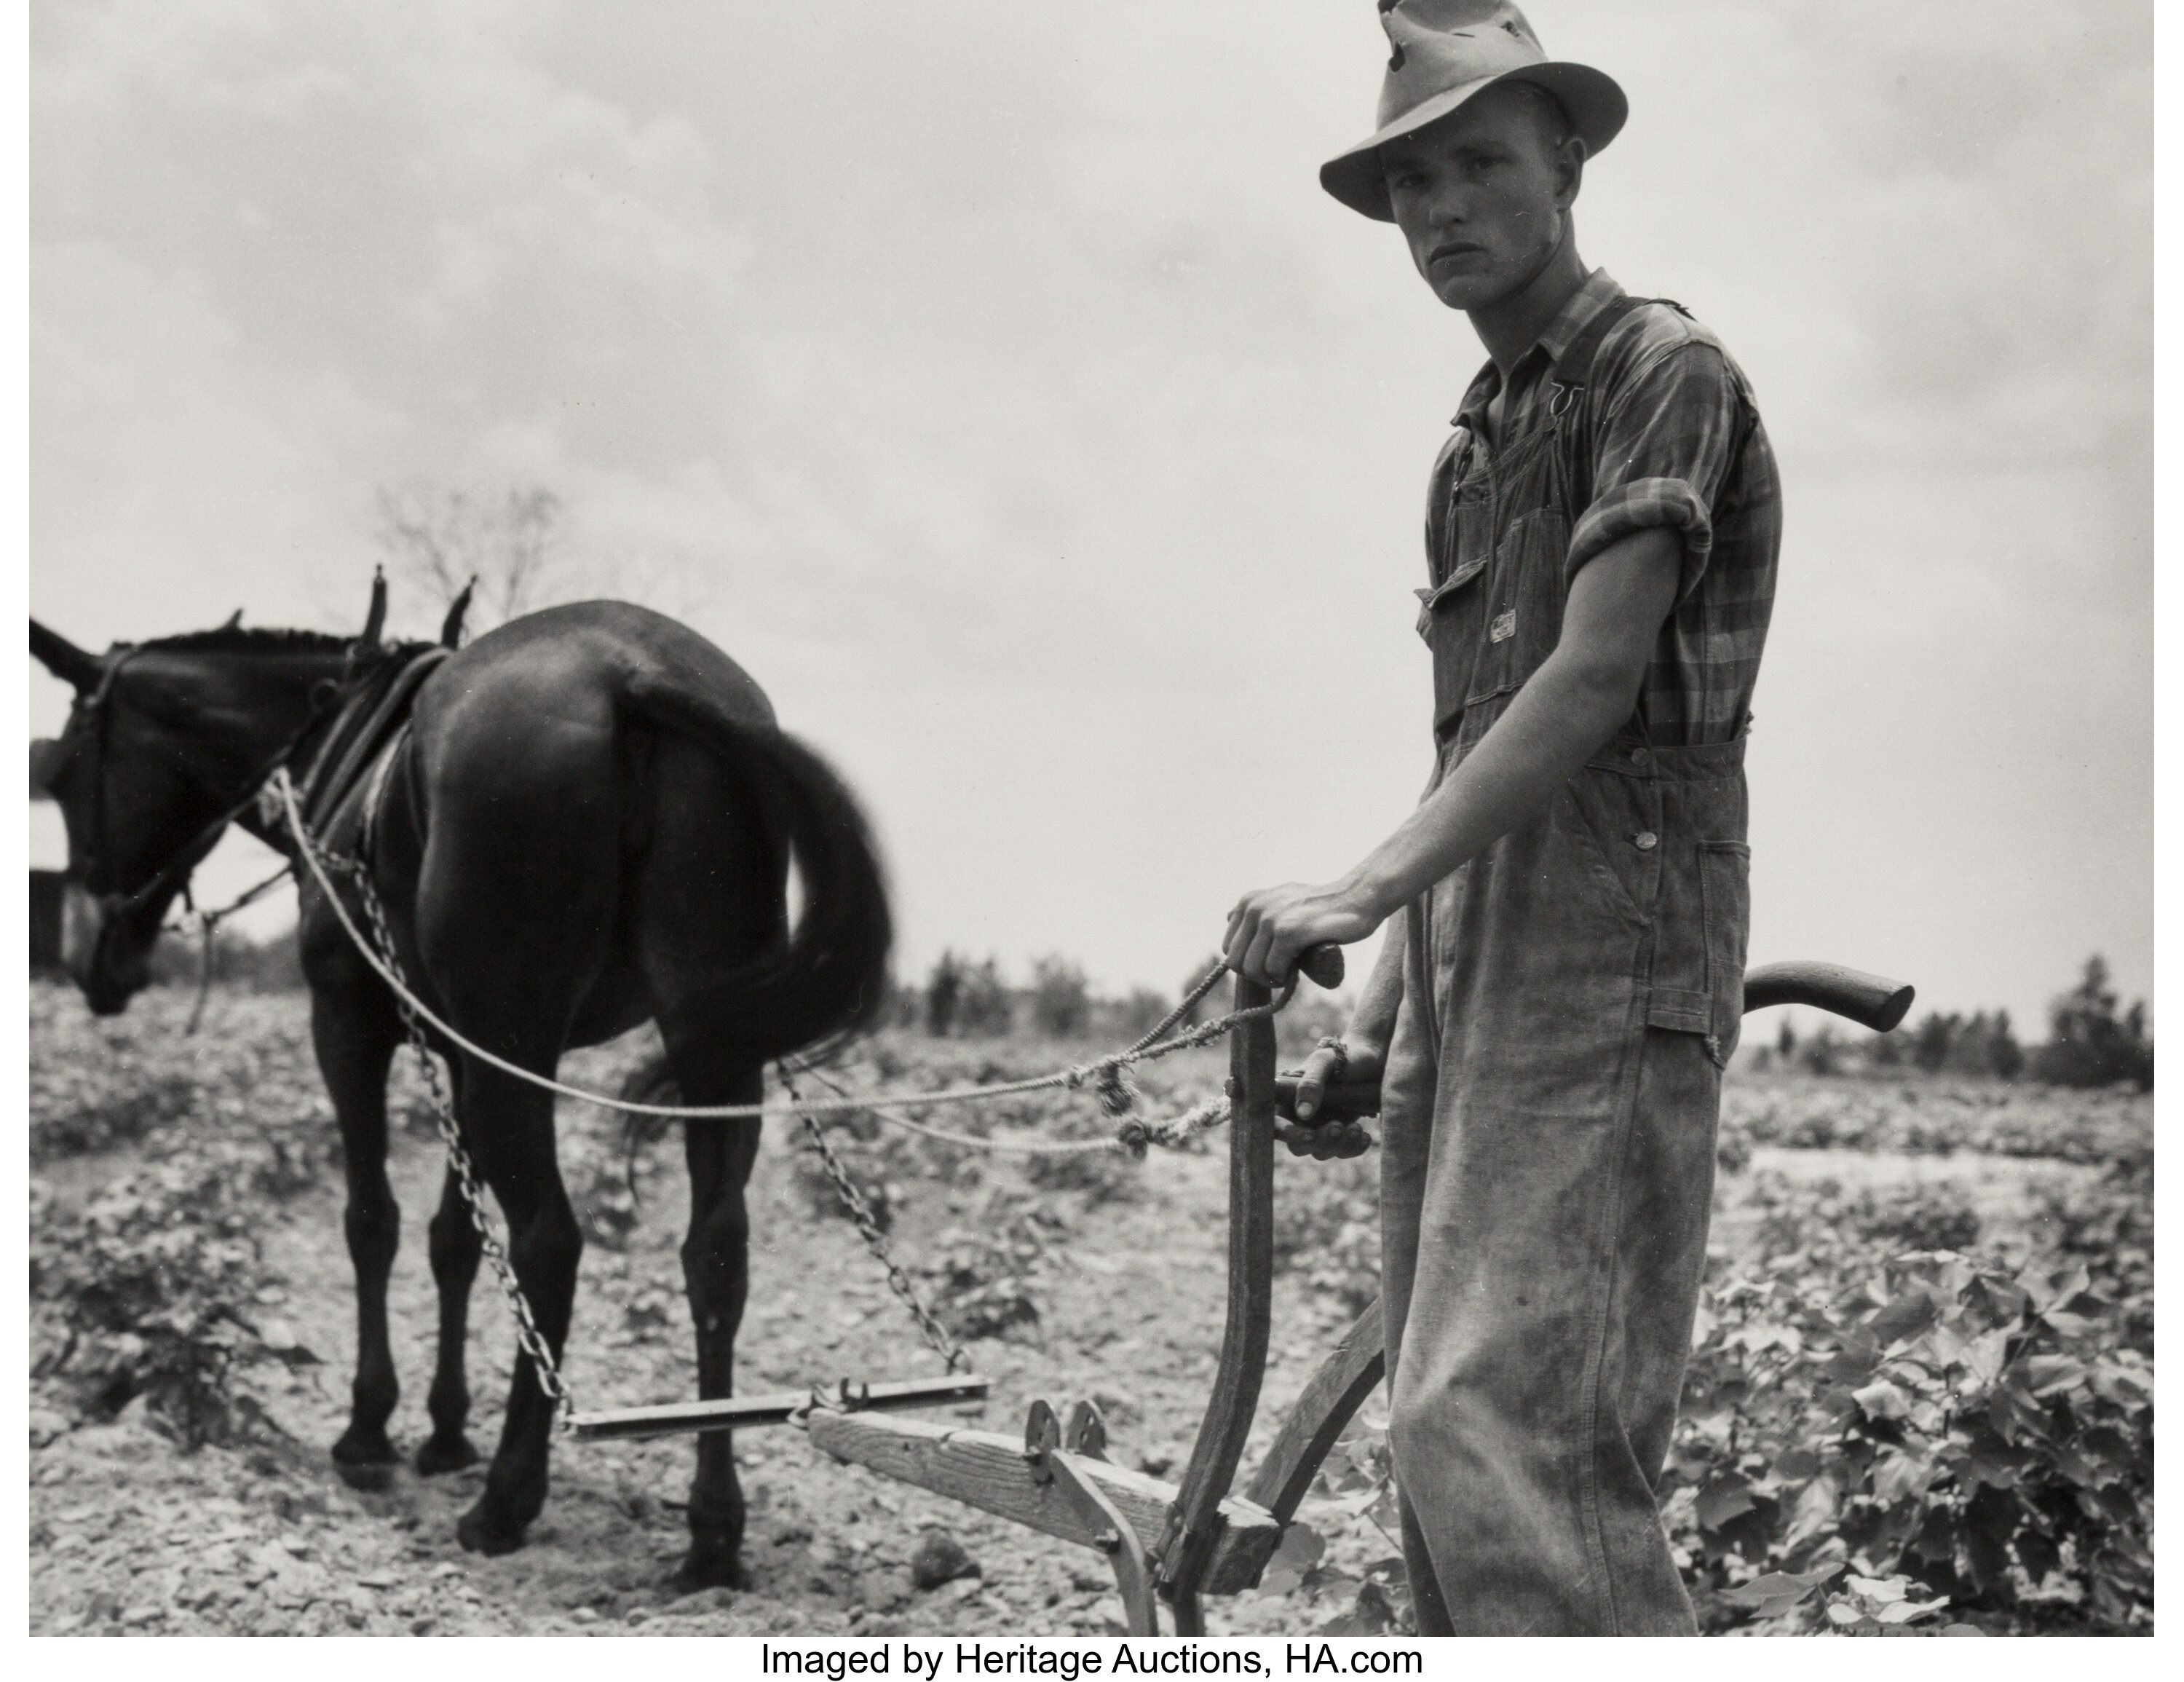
(512, 542)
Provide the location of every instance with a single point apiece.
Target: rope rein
(208, 924)
(1104, 1075)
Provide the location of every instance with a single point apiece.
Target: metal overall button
(1646, 840)
(1639, 756)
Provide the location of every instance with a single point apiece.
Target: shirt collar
(1598, 291)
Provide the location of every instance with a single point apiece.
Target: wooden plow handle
(1194, 1520)
(1870, 1000)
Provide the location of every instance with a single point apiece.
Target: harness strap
(342, 762)
(367, 846)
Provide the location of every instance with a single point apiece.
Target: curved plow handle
(1323, 966)
(1870, 1000)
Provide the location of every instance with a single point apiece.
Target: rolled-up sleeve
(1662, 455)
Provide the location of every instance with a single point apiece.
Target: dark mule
(590, 824)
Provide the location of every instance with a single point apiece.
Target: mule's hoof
(436, 1455)
(710, 1565)
(481, 1535)
(365, 1461)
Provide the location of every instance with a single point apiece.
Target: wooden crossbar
(986, 1470)
(780, 1408)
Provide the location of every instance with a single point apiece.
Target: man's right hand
(1360, 1060)
(1344, 1136)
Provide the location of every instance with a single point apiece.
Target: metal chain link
(528, 1334)
(868, 1227)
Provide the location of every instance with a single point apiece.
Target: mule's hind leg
(455, 1250)
(717, 1274)
(509, 1129)
(710, 897)
(354, 1033)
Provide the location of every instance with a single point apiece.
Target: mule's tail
(830, 980)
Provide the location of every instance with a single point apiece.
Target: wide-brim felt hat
(1447, 52)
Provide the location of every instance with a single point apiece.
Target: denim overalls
(1553, 1089)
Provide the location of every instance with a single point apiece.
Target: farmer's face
(1481, 195)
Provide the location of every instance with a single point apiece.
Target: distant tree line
(962, 999)
(2091, 1042)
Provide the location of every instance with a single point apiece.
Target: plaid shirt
(1676, 442)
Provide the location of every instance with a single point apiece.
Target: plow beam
(989, 1471)
(781, 1407)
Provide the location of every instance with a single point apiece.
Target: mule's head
(130, 776)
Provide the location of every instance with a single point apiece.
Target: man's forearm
(1556, 722)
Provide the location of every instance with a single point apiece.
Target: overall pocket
(1452, 620)
(1699, 947)
(1525, 593)
(1726, 894)
(1615, 823)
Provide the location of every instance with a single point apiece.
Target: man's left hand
(1271, 929)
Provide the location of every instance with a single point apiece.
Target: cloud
(994, 382)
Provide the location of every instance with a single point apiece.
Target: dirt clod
(940, 1558)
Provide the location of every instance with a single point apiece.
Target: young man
(1552, 1012)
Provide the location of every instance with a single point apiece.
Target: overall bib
(1551, 1099)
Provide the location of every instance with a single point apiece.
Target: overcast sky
(995, 383)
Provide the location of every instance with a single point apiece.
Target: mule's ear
(66, 661)
(376, 618)
(234, 621)
(45, 759)
(451, 627)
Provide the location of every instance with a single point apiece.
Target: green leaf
(1901, 1473)
(1372, 1615)
(1815, 1510)
(1853, 1363)
(1796, 1465)
(1882, 1400)
(1775, 1593)
(1905, 1317)
(1985, 1356)
(2045, 1374)
(2086, 1471)
(1300, 1549)
(1988, 1458)
(2070, 1323)
(2017, 1419)
(1725, 1498)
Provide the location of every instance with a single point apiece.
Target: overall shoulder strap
(1440, 484)
(1572, 402)
(1573, 367)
